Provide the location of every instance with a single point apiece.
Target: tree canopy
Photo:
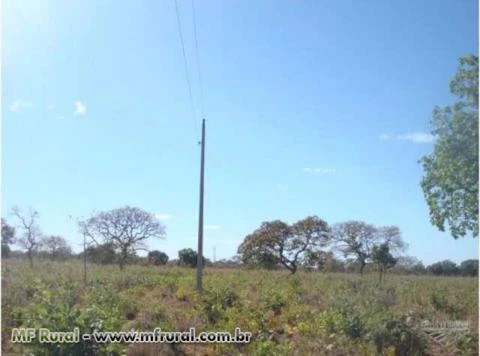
(125, 229)
(157, 258)
(450, 181)
(286, 243)
(8, 237)
(358, 240)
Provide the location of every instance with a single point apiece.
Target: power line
(198, 59)
(186, 68)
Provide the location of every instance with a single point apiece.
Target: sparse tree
(125, 229)
(157, 258)
(450, 181)
(356, 238)
(287, 243)
(8, 238)
(30, 237)
(56, 247)
(392, 238)
(384, 260)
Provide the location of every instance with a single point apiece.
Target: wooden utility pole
(200, 215)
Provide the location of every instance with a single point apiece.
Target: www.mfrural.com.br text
(44, 335)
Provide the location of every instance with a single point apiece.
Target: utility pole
(214, 247)
(200, 214)
(84, 258)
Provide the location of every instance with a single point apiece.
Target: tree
(409, 265)
(260, 257)
(450, 181)
(355, 238)
(56, 247)
(443, 268)
(8, 237)
(384, 260)
(392, 237)
(30, 237)
(125, 229)
(469, 268)
(157, 258)
(188, 257)
(286, 243)
(102, 254)
(318, 259)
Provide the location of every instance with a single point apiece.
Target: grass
(301, 314)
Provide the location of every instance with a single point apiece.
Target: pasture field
(309, 313)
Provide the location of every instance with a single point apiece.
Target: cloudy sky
(312, 108)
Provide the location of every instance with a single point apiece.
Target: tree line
(116, 236)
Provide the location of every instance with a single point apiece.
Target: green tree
(384, 260)
(188, 257)
(8, 237)
(443, 268)
(102, 254)
(318, 259)
(469, 268)
(287, 243)
(157, 258)
(125, 229)
(450, 181)
(56, 247)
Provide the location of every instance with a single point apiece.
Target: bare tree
(358, 239)
(30, 237)
(126, 229)
(355, 238)
(392, 237)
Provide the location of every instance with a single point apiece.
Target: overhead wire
(189, 86)
(198, 59)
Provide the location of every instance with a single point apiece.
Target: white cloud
(19, 104)
(417, 137)
(212, 227)
(163, 216)
(80, 108)
(325, 170)
(384, 137)
(320, 170)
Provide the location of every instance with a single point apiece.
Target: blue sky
(312, 108)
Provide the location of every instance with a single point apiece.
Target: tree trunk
(293, 269)
(30, 258)
(362, 266)
(123, 259)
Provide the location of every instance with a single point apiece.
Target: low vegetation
(305, 313)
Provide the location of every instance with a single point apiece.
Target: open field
(302, 314)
